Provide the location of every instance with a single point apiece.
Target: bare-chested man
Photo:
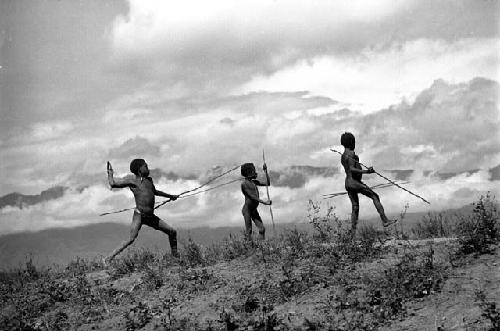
(144, 193)
(354, 185)
(252, 200)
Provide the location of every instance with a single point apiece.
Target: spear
(387, 179)
(267, 190)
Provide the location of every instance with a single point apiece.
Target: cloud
(222, 207)
(297, 176)
(137, 147)
(228, 121)
(219, 44)
(50, 130)
(328, 46)
(436, 131)
(495, 173)
(376, 78)
(126, 115)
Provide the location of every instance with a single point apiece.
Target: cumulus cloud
(377, 78)
(208, 45)
(50, 130)
(137, 147)
(449, 128)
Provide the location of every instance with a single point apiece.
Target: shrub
(368, 236)
(138, 316)
(489, 310)
(413, 277)
(477, 232)
(192, 254)
(135, 261)
(296, 240)
(153, 279)
(433, 225)
(232, 248)
(322, 224)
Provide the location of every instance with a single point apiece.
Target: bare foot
(389, 223)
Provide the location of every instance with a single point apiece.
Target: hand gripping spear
(267, 191)
(387, 179)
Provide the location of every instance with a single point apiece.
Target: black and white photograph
(249, 165)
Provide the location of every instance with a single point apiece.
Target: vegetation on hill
(299, 280)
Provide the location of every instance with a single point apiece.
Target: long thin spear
(268, 198)
(387, 179)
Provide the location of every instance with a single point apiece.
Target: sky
(197, 87)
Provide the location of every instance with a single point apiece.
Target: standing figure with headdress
(354, 185)
(252, 200)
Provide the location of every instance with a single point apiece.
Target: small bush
(489, 310)
(153, 279)
(233, 247)
(322, 224)
(413, 277)
(477, 232)
(138, 316)
(135, 261)
(295, 240)
(368, 236)
(192, 254)
(434, 225)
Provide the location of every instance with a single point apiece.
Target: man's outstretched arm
(119, 182)
(165, 195)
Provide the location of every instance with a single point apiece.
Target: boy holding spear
(144, 192)
(252, 200)
(354, 185)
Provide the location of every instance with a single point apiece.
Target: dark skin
(252, 200)
(144, 193)
(354, 186)
(142, 187)
(249, 189)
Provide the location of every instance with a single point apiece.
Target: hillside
(299, 280)
(60, 246)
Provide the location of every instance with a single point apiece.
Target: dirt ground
(455, 307)
(235, 295)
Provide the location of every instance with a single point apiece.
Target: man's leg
(134, 231)
(378, 205)
(172, 236)
(353, 196)
(259, 224)
(248, 222)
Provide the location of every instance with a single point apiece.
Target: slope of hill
(60, 246)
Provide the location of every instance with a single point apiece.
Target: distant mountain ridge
(294, 176)
(20, 200)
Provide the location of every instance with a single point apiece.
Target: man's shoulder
(247, 183)
(348, 154)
